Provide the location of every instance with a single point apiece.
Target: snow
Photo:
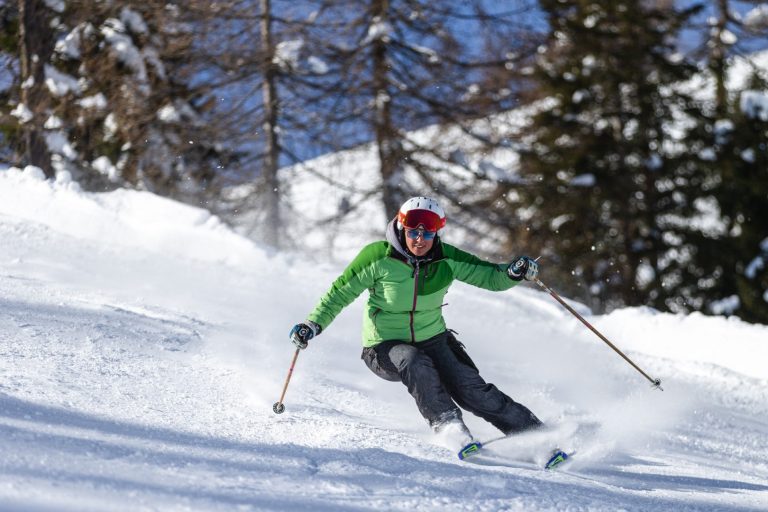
(114, 32)
(29, 82)
(317, 65)
(428, 52)
(288, 54)
(741, 69)
(168, 114)
(723, 130)
(756, 265)
(579, 95)
(143, 343)
(69, 45)
(53, 123)
(754, 104)
(349, 184)
(60, 83)
(708, 218)
(378, 30)
(110, 126)
(654, 161)
(104, 166)
(152, 56)
(757, 17)
(748, 155)
(133, 21)
(728, 37)
(728, 305)
(583, 180)
(56, 5)
(96, 101)
(57, 143)
(22, 112)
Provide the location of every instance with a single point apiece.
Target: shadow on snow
(289, 476)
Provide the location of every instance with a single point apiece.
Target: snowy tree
(332, 75)
(607, 156)
(108, 102)
(738, 255)
(730, 32)
(727, 275)
(414, 67)
(402, 65)
(264, 65)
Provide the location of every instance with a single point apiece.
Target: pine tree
(604, 162)
(727, 272)
(739, 255)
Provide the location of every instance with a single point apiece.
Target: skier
(405, 338)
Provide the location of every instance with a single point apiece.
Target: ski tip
(469, 450)
(558, 457)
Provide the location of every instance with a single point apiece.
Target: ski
(558, 457)
(475, 448)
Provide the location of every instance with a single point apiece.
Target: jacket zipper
(415, 297)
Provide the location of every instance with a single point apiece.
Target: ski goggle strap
(415, 218)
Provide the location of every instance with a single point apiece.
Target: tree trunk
(387, 140)
(35, 49)
(717, 61)
(272, 147)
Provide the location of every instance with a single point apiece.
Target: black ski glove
(523, 268)
(303, 332)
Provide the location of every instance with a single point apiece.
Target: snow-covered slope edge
(142, 345)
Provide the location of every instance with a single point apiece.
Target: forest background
(607, 137)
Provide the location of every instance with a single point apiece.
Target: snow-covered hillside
(142, 345)
(331, 196)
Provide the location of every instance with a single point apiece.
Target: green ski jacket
(405, 294)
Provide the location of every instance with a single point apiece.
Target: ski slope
(142, 344)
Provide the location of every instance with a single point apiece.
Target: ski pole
(656, 382)
(279, 407)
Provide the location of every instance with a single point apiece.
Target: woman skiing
(405, 338)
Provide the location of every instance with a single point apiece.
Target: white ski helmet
(421, 211)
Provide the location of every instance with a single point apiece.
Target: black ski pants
(439, 374)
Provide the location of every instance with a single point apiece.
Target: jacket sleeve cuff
(316, 328)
